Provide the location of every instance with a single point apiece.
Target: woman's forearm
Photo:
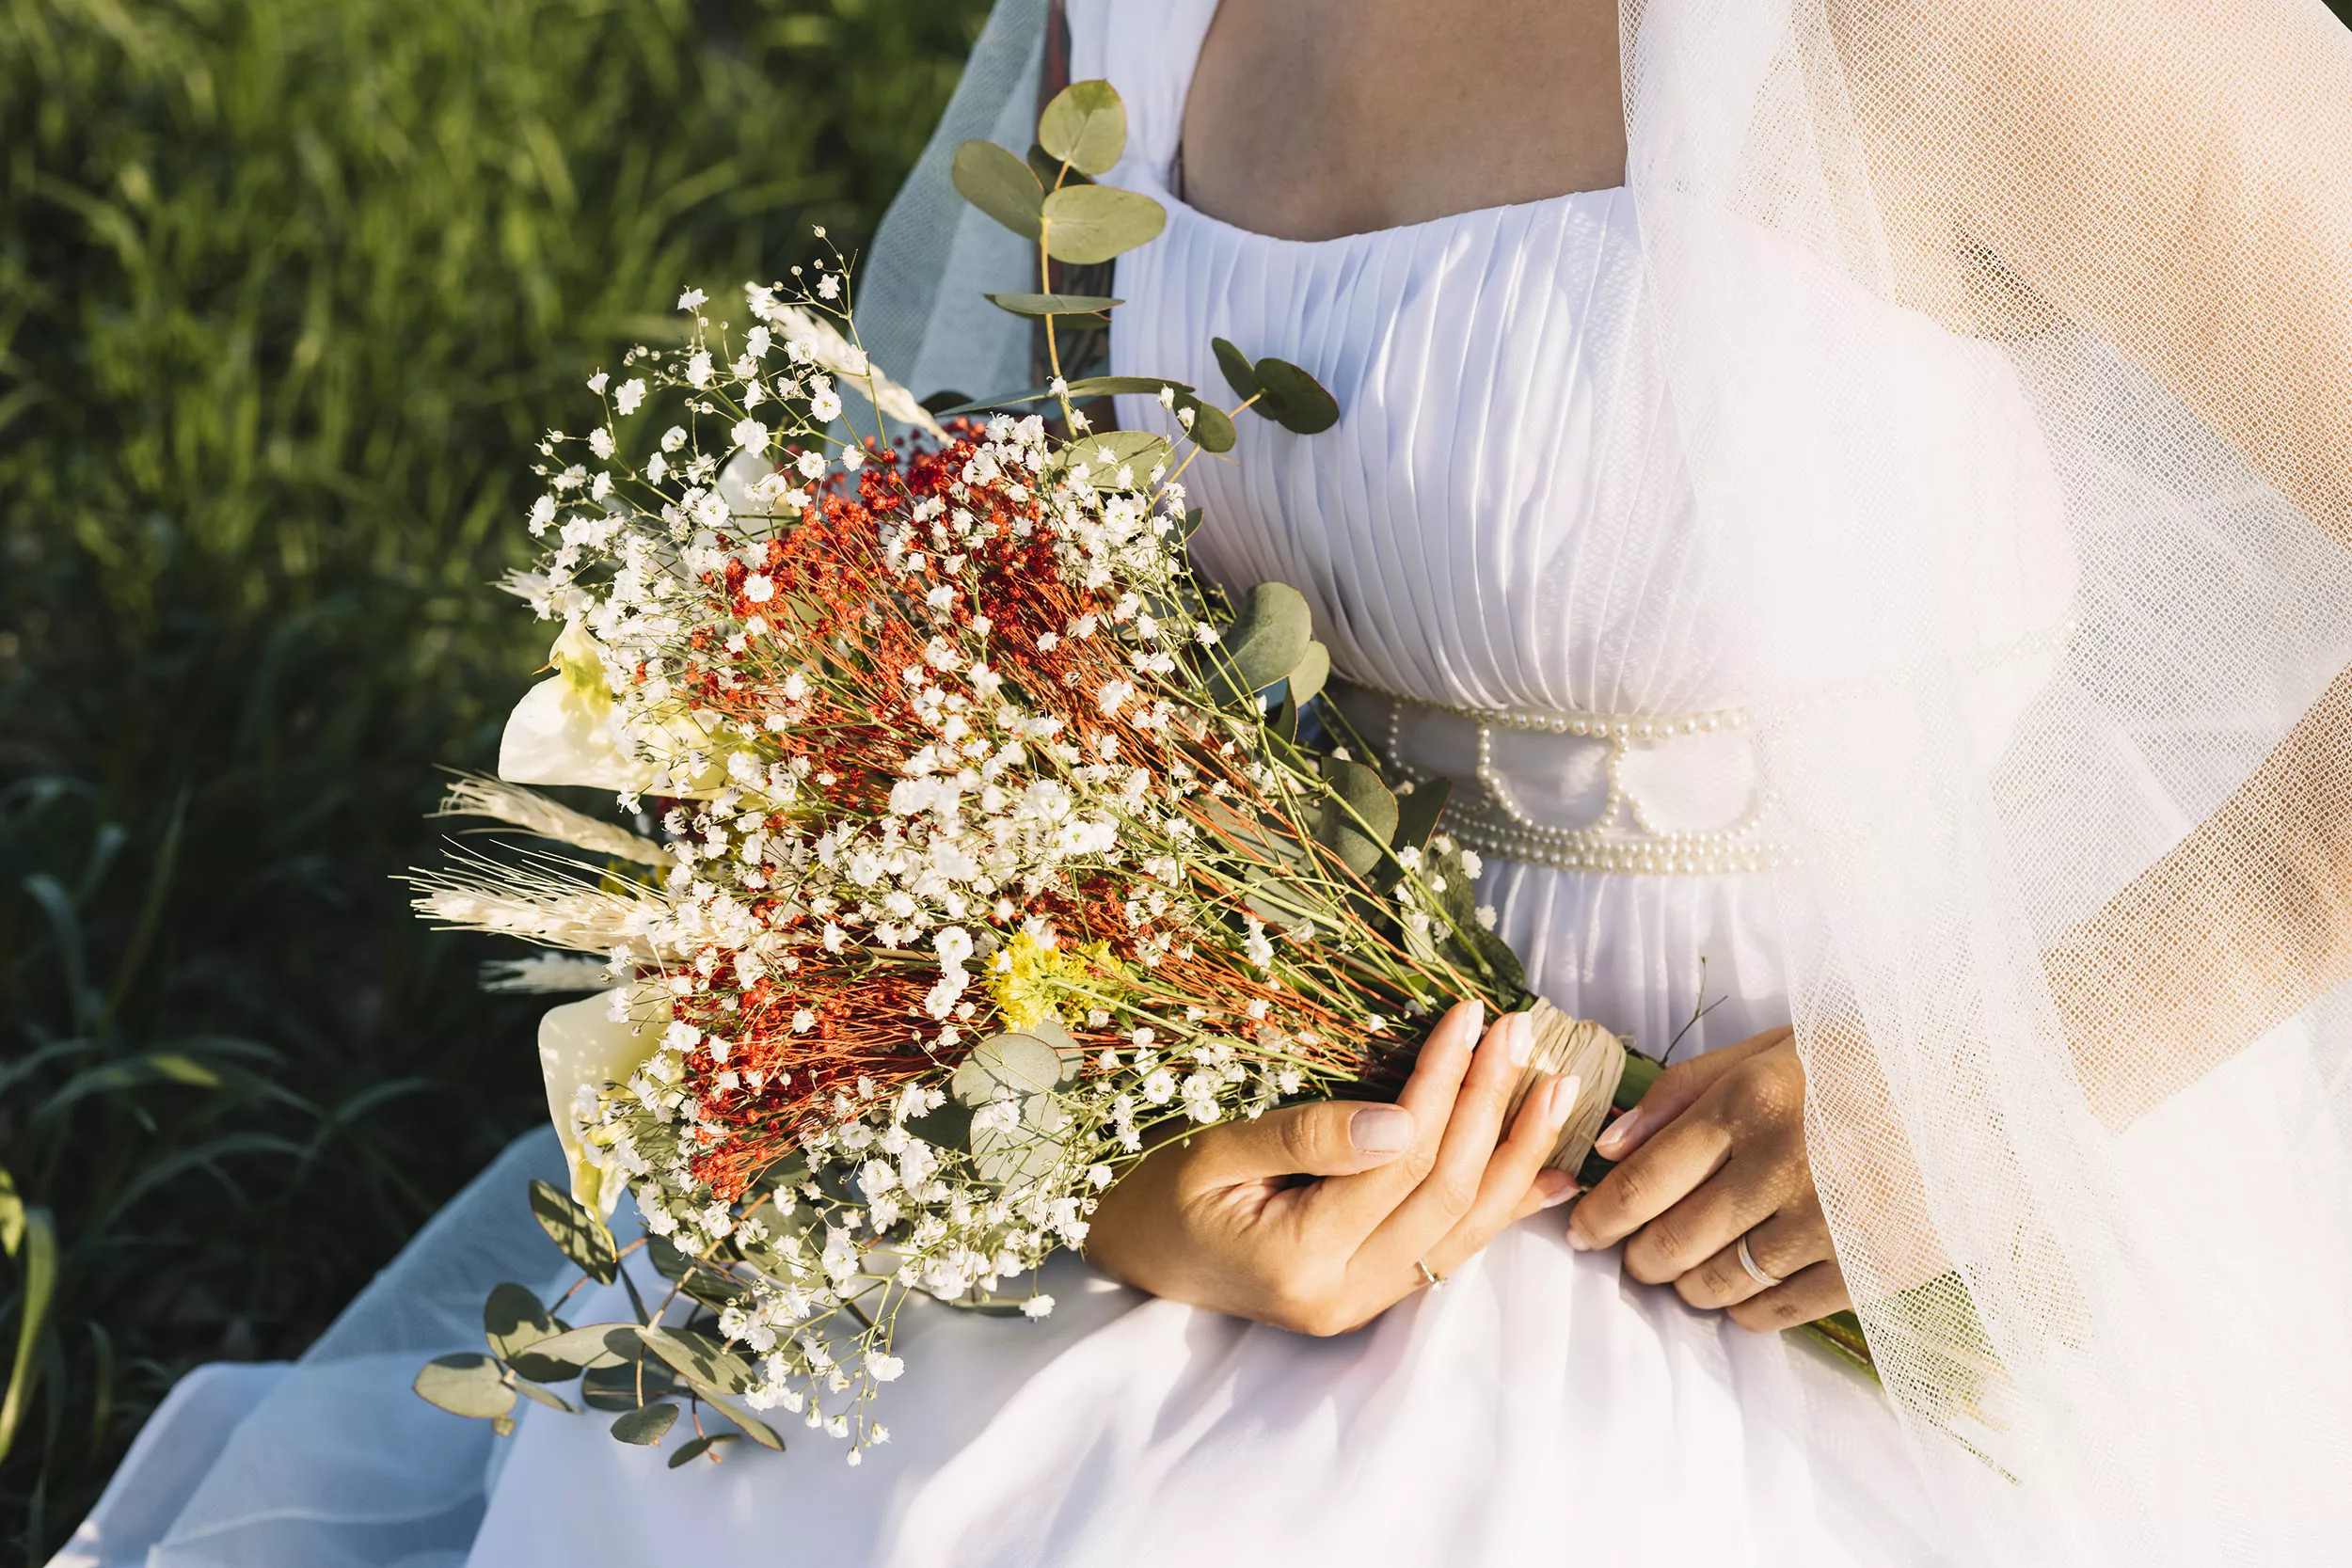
(2241, 926)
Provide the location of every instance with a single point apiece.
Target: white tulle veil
(2011, 344)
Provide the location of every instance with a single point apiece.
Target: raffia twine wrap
(1598, 1057)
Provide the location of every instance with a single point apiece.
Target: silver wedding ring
(1747, 1262)
(1436, 1281)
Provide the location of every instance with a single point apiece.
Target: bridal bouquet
(993, 845)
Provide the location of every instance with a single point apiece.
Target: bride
(1856, 496)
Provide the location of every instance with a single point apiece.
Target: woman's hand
(1716, 1152)
(1222, 1217)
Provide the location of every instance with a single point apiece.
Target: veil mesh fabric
(2062, 937)
(2071, 781)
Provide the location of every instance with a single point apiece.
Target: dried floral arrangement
(994, 846)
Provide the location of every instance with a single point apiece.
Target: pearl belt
(1629, 832)
(1643, 765)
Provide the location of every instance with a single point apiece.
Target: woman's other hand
(1317, 1218)
(1716, 1152)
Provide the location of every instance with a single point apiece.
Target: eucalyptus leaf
(1295, 400)
(512, 1320)
(579, 1234)
(1137, 451)
(1283, 721)
(1087, 224)
(1239, 373)
(1210, 426)
(1268, 636)
(1049, 169)
(1495, 953)
(1279, 901)
(563, 1356)
(1359, 819)
(1191, 525)
(688, 1452)
(540, 1396)
(699, 1358)
(949, 1126)
(1108, 386)
(470, 1384)
(645, 1426)
(1306, 680)
(711, 1286)
(1010, 1066)
(1085, 126)
(753, 1427)
(1000, 184)
(1416, 812)
(617, 1387)
(1065, 1044)
(1016, 1156)
(1055, 304)
(1085, 386)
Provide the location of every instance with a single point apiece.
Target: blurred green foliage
(288, 288)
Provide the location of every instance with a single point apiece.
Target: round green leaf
(540, 1396)
(1110, 386)
(1016, 1156)
(1085, 126)
(1359, 819)
(580, 1235)
(753, 1427)
(1210, 425)
(1066, 1047)
(1085, 224)
(1295, 400)
(949, 1127)
(1139, 451)
(1418, 807)
(1239, 373)
(646, 1425)
(514, 1321)
(467, 1385)
(695, 1450)
(698, 1359)
(1006, 1067)
(617, 1387)
(1269, 637)
(1000, 184)
(1306, 677)
(1049, 169)
(1051, 305)
(580, 1348)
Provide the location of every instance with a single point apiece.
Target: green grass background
(287, 290)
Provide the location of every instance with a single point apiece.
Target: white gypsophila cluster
(697, 673)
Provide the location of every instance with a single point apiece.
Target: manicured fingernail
(1564, 1092)
(1474, 1023)
(1557, 1186)
(1618, 1133)
(1380, 1128)
(1522, 1038)
(1576, 1241)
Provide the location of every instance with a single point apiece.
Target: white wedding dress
(1496, 524)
